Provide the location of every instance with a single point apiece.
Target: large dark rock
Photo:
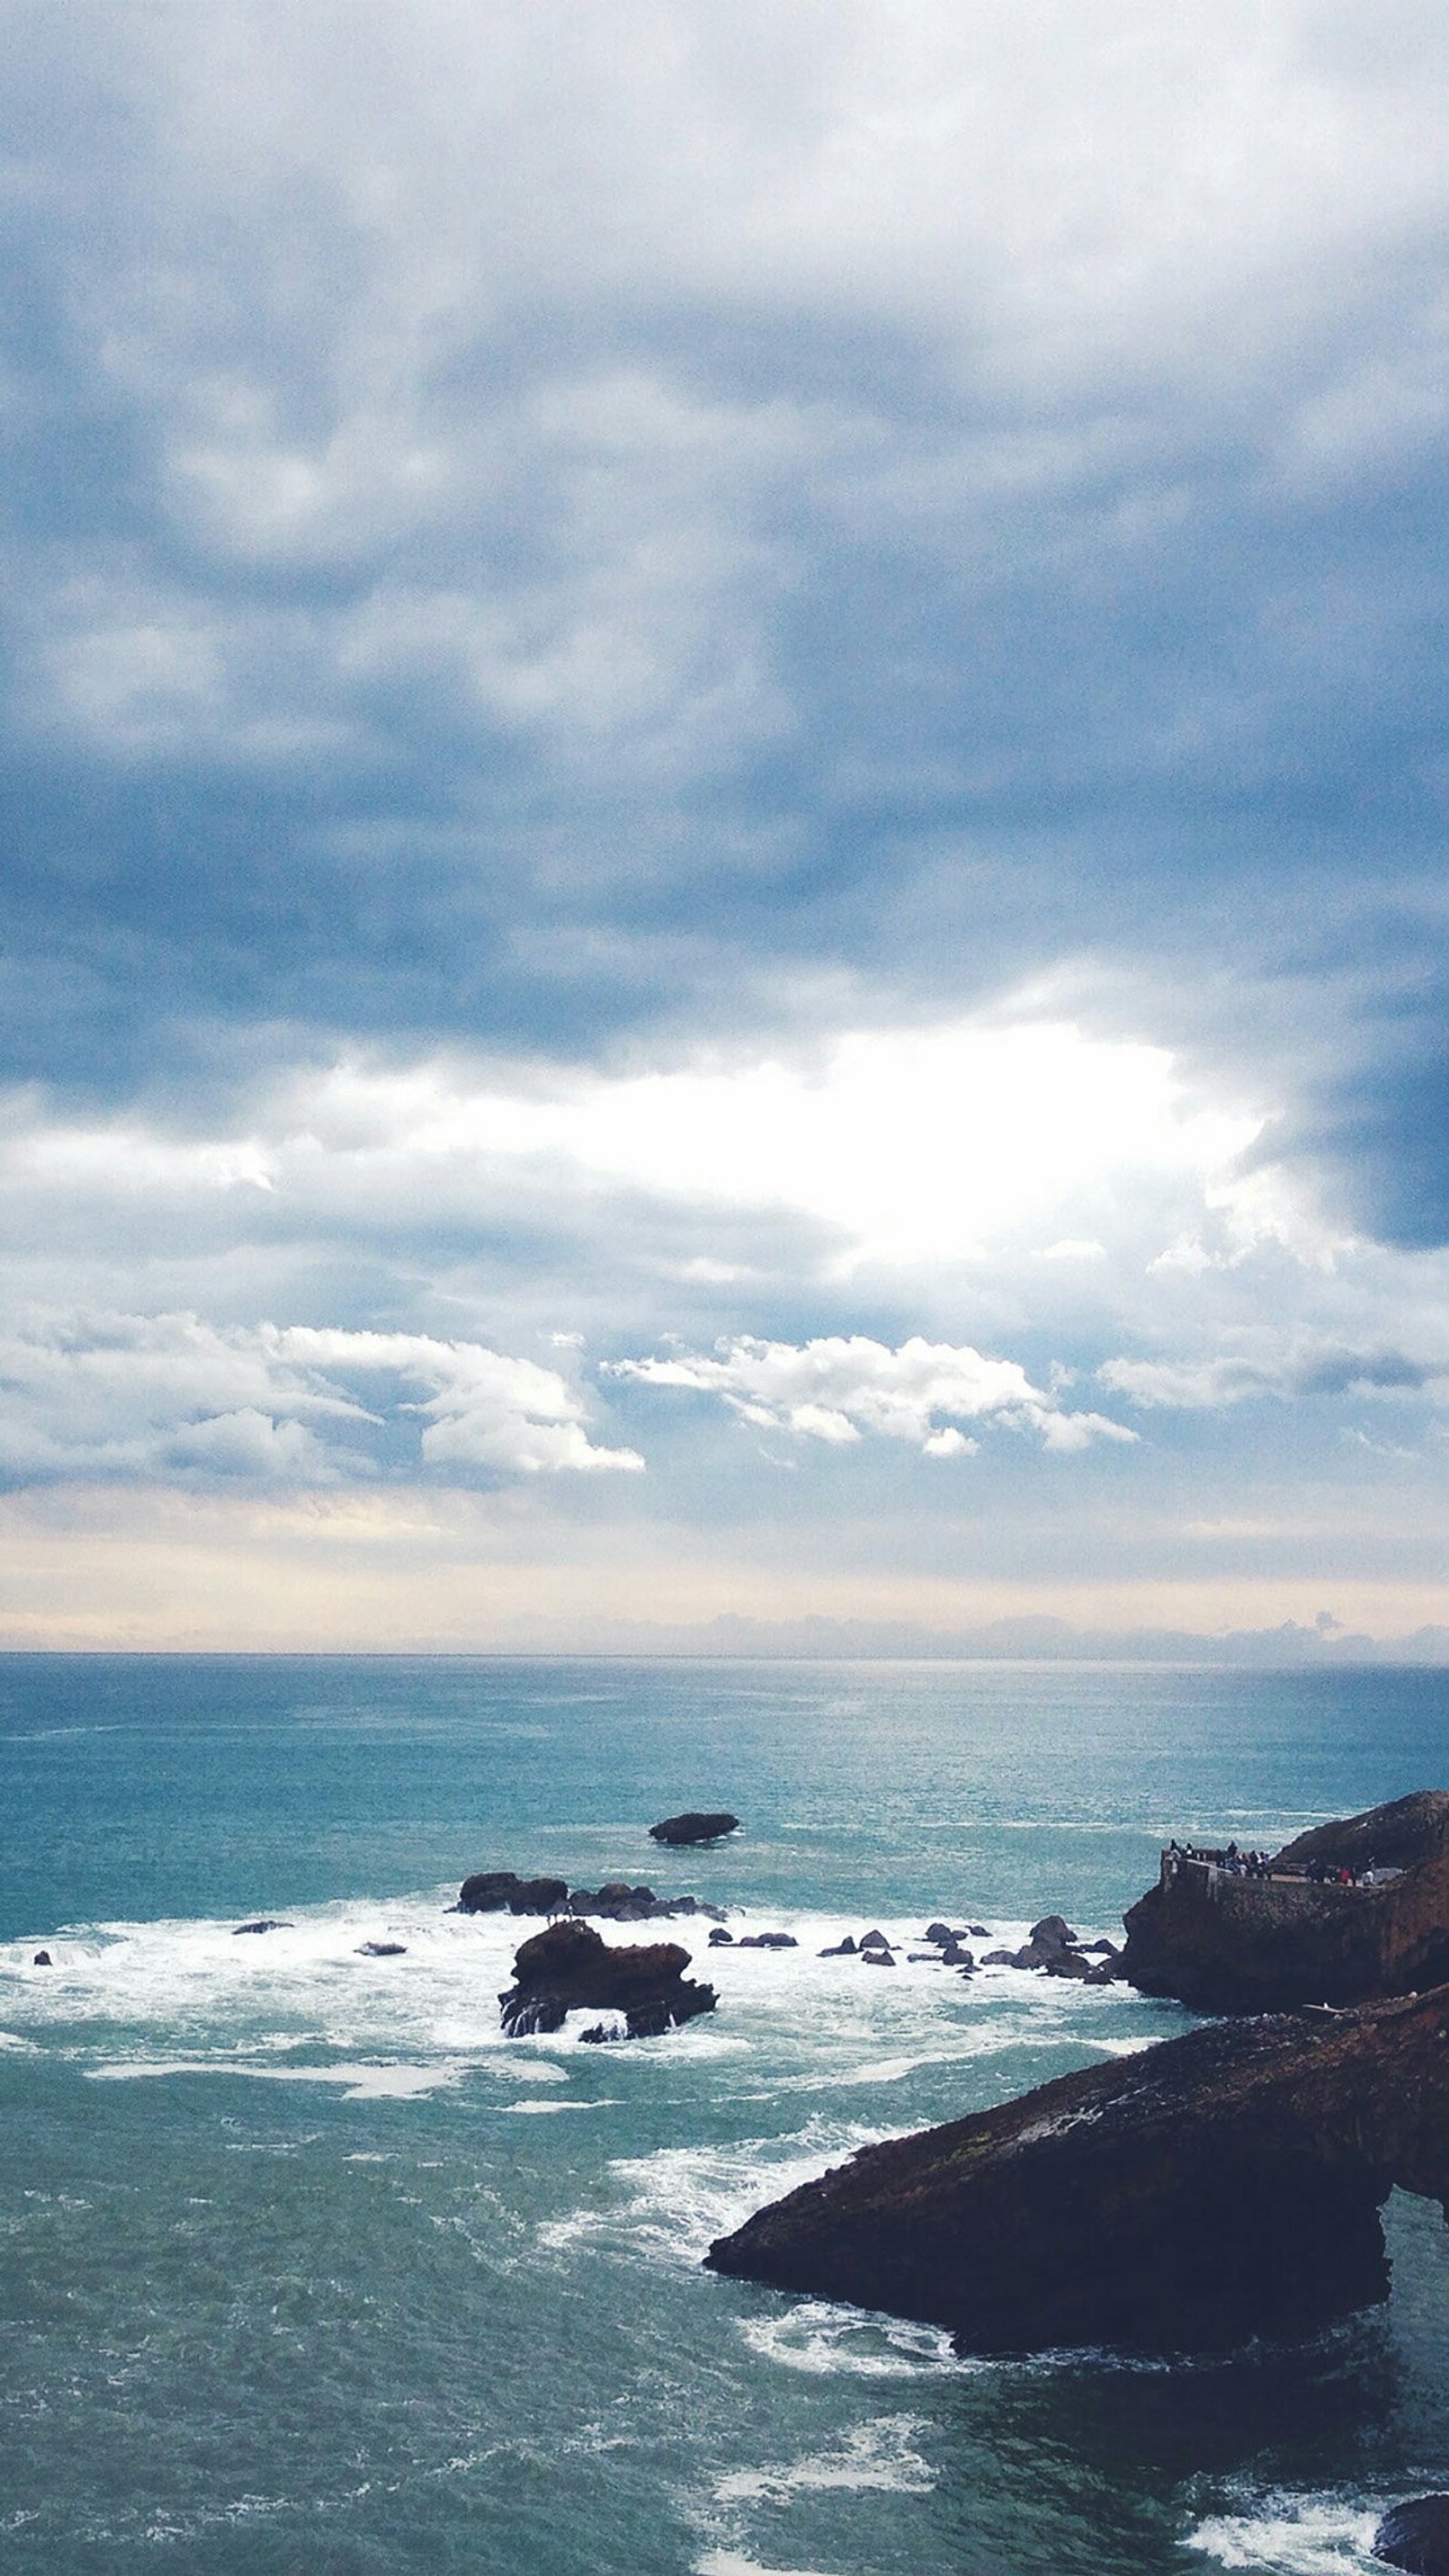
(570, 1966)
(1416, 2536)
(1218, 2186)
(693, 1828)
(502, 1891)
(1226, 1942)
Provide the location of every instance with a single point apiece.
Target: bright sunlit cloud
(916, 1145)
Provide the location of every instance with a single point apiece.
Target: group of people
(1258, 1864)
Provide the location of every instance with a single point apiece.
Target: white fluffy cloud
(85, 1394)
(838, 1389)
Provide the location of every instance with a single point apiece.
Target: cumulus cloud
(101, 1395)
(839, 1389)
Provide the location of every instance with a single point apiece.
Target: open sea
(306, 2271)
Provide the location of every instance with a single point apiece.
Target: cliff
(1229, 1943)
(1217, 2186)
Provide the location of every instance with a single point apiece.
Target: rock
(767, 1941)
(979, 1931)
(571, 1966)
(1214, 2187)
(841, 1949)
(954, 1956)
(502, 1891)
(720, 1939)
(42, 1959)
(1231, 1943)
(1095, 1949)
(874, 1941)
(1416, 2536)
(693, 1828)
(618, 1902)
(1001, 1959)
(263, 1923)
(871, 1958)
(382, 1950)
(939, 1932)
(1069, 1963)
(1052, 1933)
(924, 1959)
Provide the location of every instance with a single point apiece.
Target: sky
(724, 776)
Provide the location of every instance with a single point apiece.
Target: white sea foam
(731, 2562)
(360, 2083)
(678, 2200)
(879, 2454)
(1297, 2535)
(833, 2342)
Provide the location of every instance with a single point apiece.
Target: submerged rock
(263, 1923)
(1227, 1941)
(1416, 2536)
(571, 1966)
(382, 1950)
(693, 1828)
(1214, 2187)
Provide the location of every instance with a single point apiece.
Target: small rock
(1416, 2536)
(979, 1931)
(874, 1941)
(1069, 1963)
(840, 1950)
(876, 1958)
(382, 1950)
(1052, 1933)
(263, 1923)
(956, 1956)
(938, 1932)
(1000, 1959)
(42, 1959)
(693, 1827)
(767, 1941)
(720, 1939)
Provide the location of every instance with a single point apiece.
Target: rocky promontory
(1210, 2188)
(1351, 1910)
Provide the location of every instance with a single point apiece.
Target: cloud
(95, 1395)
(1239, 1377)
(838, 1390)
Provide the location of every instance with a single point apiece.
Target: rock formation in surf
(1216, 2186)
(693, 1828)
(1416, 2536)
(570, 1967)
(1225, 1941)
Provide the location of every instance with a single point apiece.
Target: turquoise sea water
(307, 2272)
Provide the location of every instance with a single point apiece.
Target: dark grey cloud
(491, 566)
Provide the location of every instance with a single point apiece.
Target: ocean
(307, 2271)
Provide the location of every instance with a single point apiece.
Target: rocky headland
(1354, 1909)
(1213, 2187)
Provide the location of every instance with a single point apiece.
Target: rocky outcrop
(1225, 1941)
(570, 1967)
(502, 1891)
(1217, 2186)
(1416, 2536)
(693, 1828)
